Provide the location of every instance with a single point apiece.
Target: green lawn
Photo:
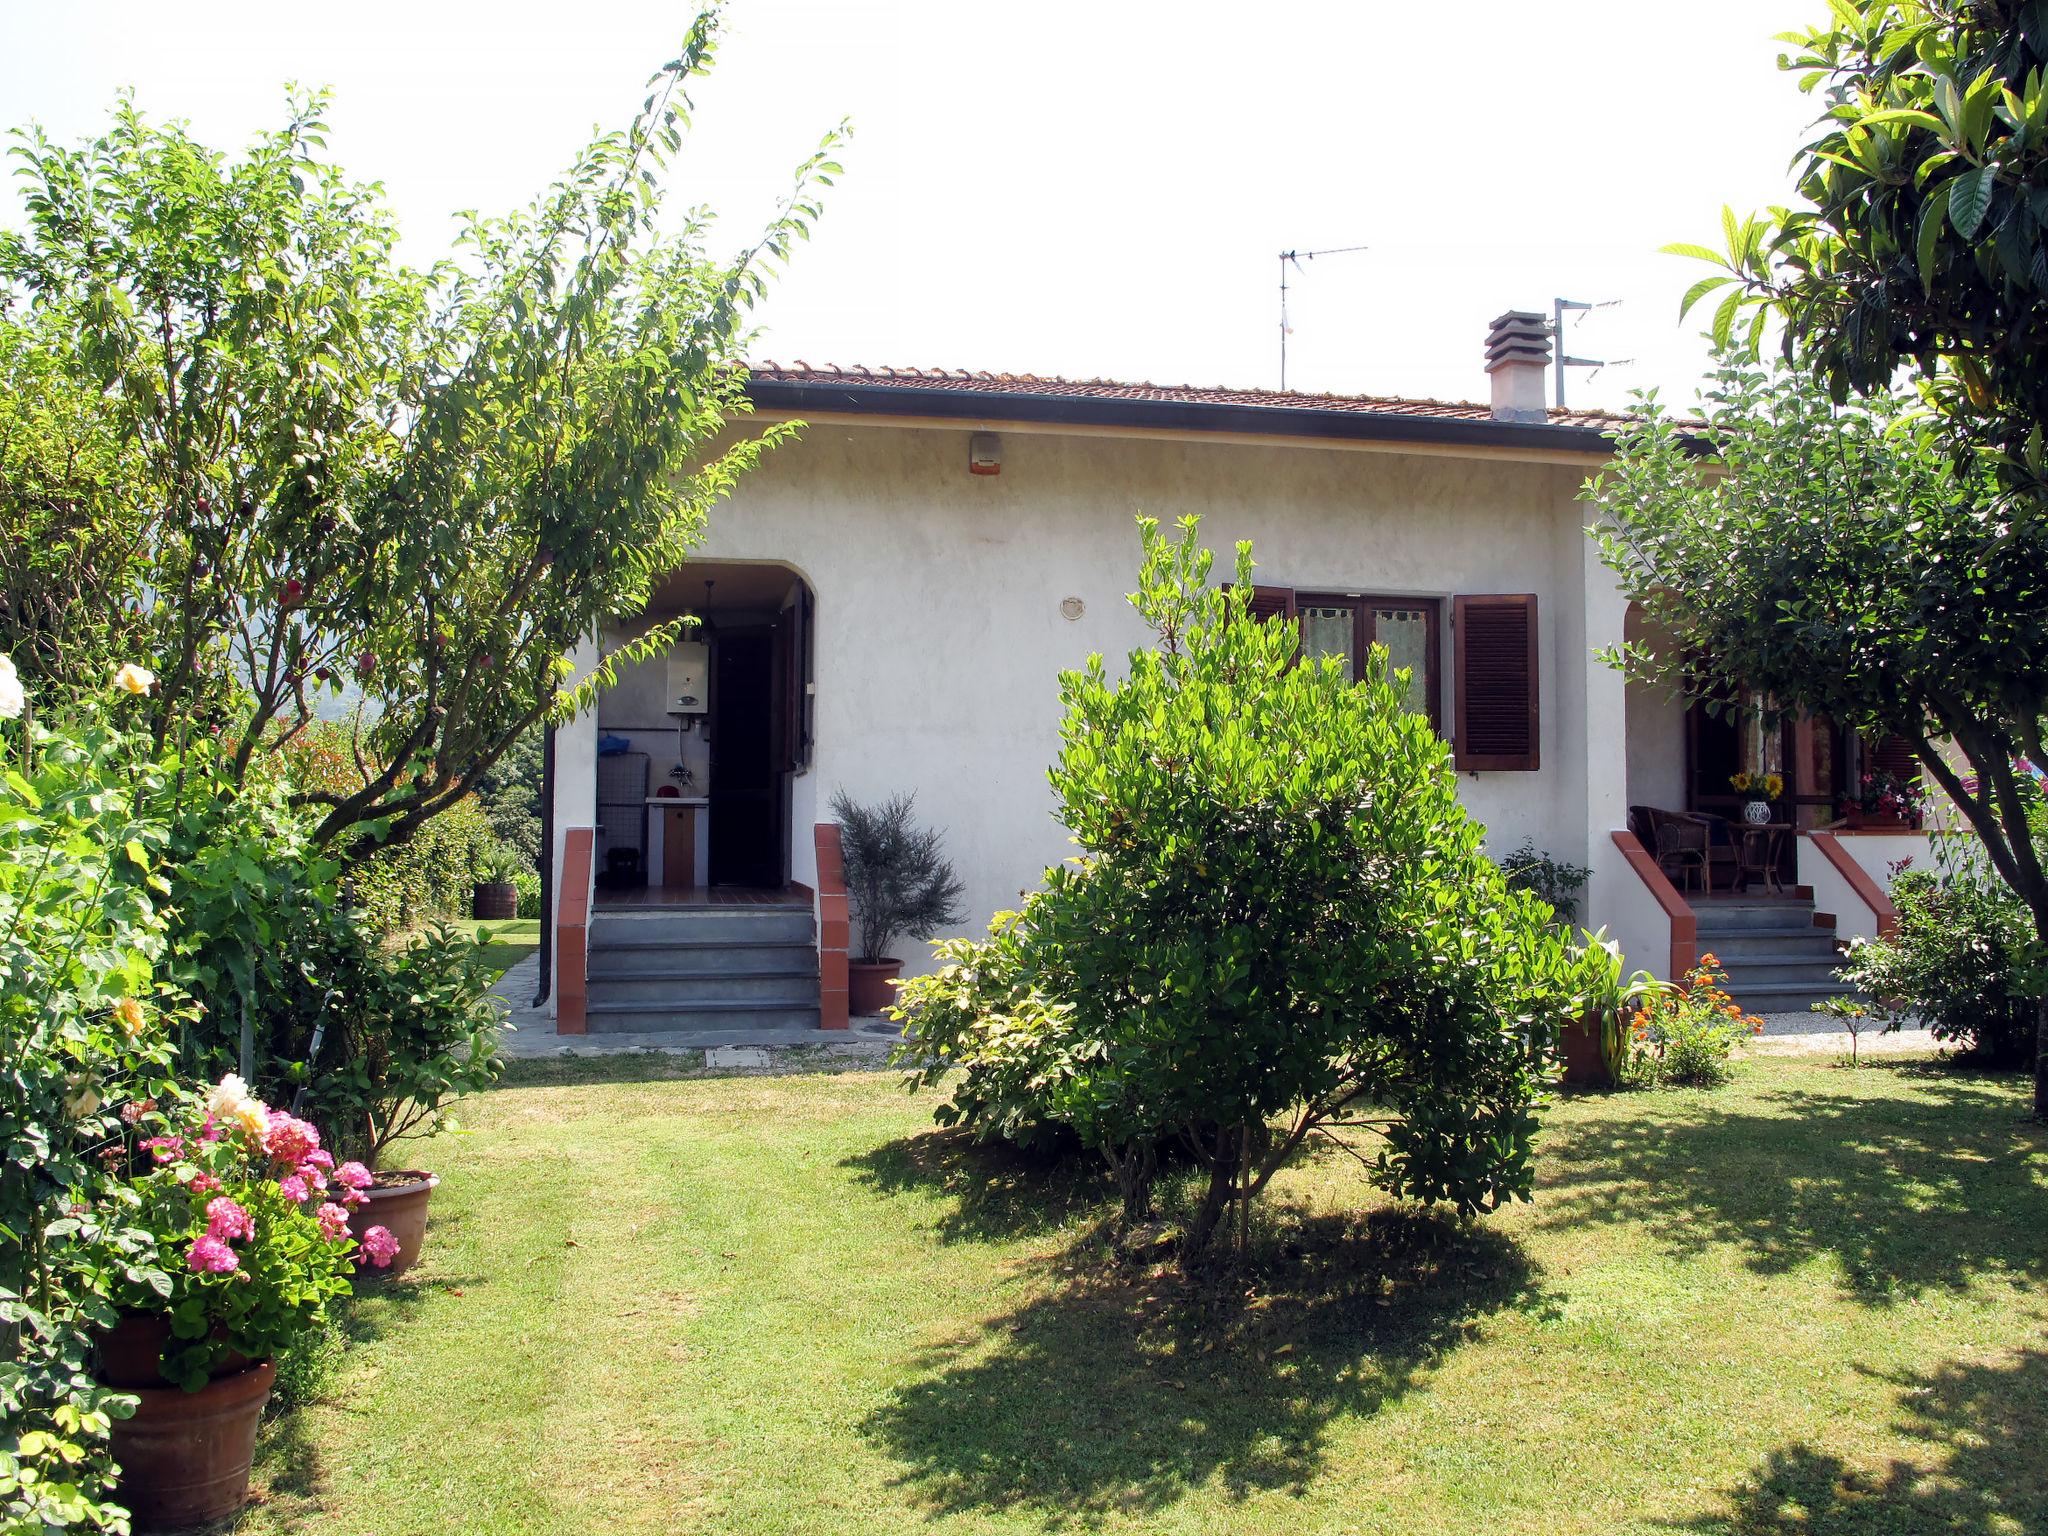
(1812, 1302)
(507, 941)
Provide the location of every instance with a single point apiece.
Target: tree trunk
(1216, 1201)
(1134, 1168)
(2041, 1059)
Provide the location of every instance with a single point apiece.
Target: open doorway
(706, 739)
(746, 835)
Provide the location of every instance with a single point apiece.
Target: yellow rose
(129, 1012)
(134, 679)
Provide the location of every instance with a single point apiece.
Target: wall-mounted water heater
(689, 678)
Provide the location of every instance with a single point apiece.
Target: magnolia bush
(1281, 921)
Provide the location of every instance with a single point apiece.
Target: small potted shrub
(897, 882)
(233, 1236)
(400, 1035)
(495, 896)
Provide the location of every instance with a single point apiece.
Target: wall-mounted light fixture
(984, 454)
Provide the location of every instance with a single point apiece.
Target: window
(1344, 625)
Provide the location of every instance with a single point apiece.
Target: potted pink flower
(234, 1238)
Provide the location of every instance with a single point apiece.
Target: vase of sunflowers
(1762, 788)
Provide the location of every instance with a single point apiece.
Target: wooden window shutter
(1498, 726)
(1893, 755)
(1272, 602)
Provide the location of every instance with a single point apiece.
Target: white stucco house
(890, 598)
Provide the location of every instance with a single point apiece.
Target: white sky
(1091, 189)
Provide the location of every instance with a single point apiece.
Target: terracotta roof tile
(801, 372)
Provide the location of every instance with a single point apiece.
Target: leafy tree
(424, 485)
(1922, 235)
(1281, 921)
(511, 795)
(1846, 564)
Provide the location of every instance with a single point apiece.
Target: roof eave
(800, 397)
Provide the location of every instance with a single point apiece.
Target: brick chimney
(1518, 357)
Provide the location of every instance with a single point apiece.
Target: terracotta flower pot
(131, 1352)
(868, 989)
(494, 901)
(185, 1456)
(1585, 1065)
(398, 1203)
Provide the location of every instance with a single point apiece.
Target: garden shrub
(1687, 1034)
(377, 1039)
(528, 886)
(1557, 882)
(400, 888)
(1961, 959)
(1280, 918)
(84, 1013)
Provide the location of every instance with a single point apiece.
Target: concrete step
(789, 925)
(1753, 917)
(1761, 945)
(1787, 997)
(722, 1013)
(1775, 973)
(668, 990)
(713, 957)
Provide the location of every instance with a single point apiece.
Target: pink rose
(352, 1175)
(295, 1189)
(203, 1184)
(380, 1246)
(333, 1221)
(211, 1256)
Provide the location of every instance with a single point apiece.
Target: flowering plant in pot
(224, 1244)
(897, 882)
(1882, 799)
(1762, 788)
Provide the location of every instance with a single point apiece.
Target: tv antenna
(1295, 260)
(1559, 361)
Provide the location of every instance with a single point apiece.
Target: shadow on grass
(1982, 1425)
(1122, 1388)
(994, 1190)
(1909, 1195)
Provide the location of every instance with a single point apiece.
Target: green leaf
(1699, 290)
(1696, 252)
(135, 854)
(1724, 319)
(1913, 115)
(1970, 200)
(1931, 214)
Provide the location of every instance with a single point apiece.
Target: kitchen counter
(679, 845)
